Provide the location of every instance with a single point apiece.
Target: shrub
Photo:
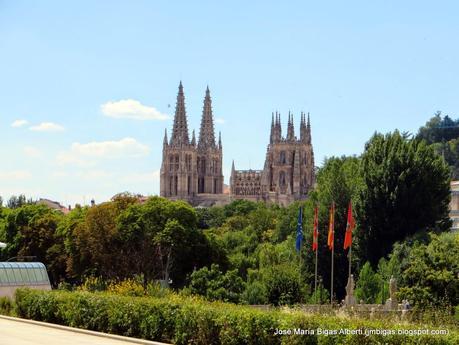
(6, 306)
(368, 284)
(320, 296)
(190, 320)
(128, 287)
(154, 289)
(255, 293)
(93, 284)
(282, 285)
(215, 285)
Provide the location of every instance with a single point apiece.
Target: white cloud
(219, 120)
(47, 127)
(15, 175)
(131, 109)
(19, 123)
(84, 154)
(31, 151)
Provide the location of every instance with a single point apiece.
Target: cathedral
(192, 171)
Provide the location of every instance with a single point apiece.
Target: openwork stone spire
(290, 128)
(193, 139)
(303, 130)
(308, 131)
(180, 129)
(165, 142)
(278, 127)
(206, 133)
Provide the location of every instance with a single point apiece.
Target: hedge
(188, 320)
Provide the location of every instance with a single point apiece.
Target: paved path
(17, 332)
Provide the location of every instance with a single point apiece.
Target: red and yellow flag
(349, 227)
(331, 227)
(315, 234)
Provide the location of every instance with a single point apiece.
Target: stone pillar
(350, 299)
(392, 303)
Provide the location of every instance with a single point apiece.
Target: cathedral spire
(165, 137)
(193, 139)
(271, 136)
(303, 128)
(308, 131)
(180, 128)
(279, 128)
(206, 133)
(290, 129)
(220, 140)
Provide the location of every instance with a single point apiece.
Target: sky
(88, 87)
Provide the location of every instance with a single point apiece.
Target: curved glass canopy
(23, 274)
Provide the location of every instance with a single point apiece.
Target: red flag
(349, 227)
(315, 234)
(331, 227)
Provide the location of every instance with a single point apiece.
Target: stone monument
(392, 303)
(350, 299)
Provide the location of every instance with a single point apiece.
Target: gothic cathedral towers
(288, 173)
(189, 168)
(192, 170)
(209, 162)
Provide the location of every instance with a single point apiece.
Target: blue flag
(299, 230)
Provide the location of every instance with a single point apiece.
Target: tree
(255, 293)
(430, 274)
(443, 134)
(30, 231)
(18, 201)
(338, 181)
(368, 284)
(282, 285)
(439, 129)
(162, 237)
(67, 229)
(406, 190)
(98, 245)
(216, 285)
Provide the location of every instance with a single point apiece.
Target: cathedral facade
(192, 171)
(288, 173)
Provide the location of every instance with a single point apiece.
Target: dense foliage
(244, 252)
(115, 240)
(442, 133)
(406, 190)
(182, 320)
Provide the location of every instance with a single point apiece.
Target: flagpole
(315, 275)
(300, 267)
(350, 256)
(332, 264)
(331, 241)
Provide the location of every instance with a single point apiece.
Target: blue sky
(92, 82)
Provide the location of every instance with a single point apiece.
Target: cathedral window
(282, 178)
(282, 182)
(282, 158)
(171, 163)
(176, 162)
(203, 166)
